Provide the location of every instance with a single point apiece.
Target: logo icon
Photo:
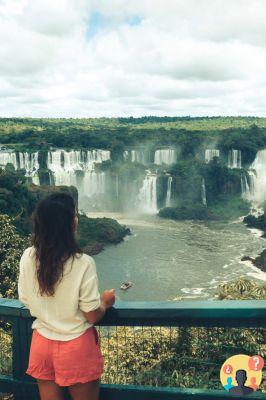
(242, 374)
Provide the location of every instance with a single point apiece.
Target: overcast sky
(85, 58)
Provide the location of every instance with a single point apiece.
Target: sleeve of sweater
(22, 280)
(89, 296)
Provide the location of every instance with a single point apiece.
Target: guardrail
(129, 324)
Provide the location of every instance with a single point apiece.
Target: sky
(86, 58)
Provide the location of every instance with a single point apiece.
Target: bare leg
(49, 390)
(85, 391)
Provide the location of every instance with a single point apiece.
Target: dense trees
(191, 135)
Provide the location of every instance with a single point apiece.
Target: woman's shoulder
(29, 252)
(84, 258)
(85, 261)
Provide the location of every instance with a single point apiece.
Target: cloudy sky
(86, 58)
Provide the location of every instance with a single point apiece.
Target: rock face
(259, 262)
(259, 223)
(256, 222)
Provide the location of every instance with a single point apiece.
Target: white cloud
(131, 57)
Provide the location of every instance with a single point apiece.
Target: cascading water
(203, 192)
(245, 189)
(126, 155)
(257, 176)
(27, 161)
(117, 186)
(165, 156)
(168, 193)
(93, 183)
(210, 154)
(36, 180)
(77, 168)
(147, 197)
(234, 159)
(138, 156)
(8, 158)
(66, 165)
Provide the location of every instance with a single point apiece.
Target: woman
(59, 285)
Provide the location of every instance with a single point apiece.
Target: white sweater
(60, 317)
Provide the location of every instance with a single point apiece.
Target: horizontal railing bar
(125, 392)
(11, 307)
(130, 392)
(223, 313)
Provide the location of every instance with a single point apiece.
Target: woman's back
(60, 316)
(59, 285)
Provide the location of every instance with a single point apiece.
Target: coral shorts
(66, 362)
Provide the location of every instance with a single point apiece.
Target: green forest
(189, 134)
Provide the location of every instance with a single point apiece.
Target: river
(168, 259)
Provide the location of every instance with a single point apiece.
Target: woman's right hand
(108, 298)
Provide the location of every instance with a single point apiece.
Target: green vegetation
(191, 135)
(94, 233)
(18, 198)
(228, 207)
(222, 188)
(241, 289)
(198, 212)
(224, 209)
(12, 246)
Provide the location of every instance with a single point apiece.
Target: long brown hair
(53, 238)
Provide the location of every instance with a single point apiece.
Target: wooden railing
(226, 314)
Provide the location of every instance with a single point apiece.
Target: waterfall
(126, 155)
(139, 156)
(165, 156)
(36, 180)
(72, 160)
(77, 168)
(210, 154)
(68, 168)
(96, 156)
(234, 159)
(93, 183)
(168, 193)
(245, 189)
(257, 176)
(27, 161)
(203, 192)
(7, 157)
(147, 197)
(117, 186)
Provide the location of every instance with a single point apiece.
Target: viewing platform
(152, 350)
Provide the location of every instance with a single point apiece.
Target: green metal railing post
(20, 347)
